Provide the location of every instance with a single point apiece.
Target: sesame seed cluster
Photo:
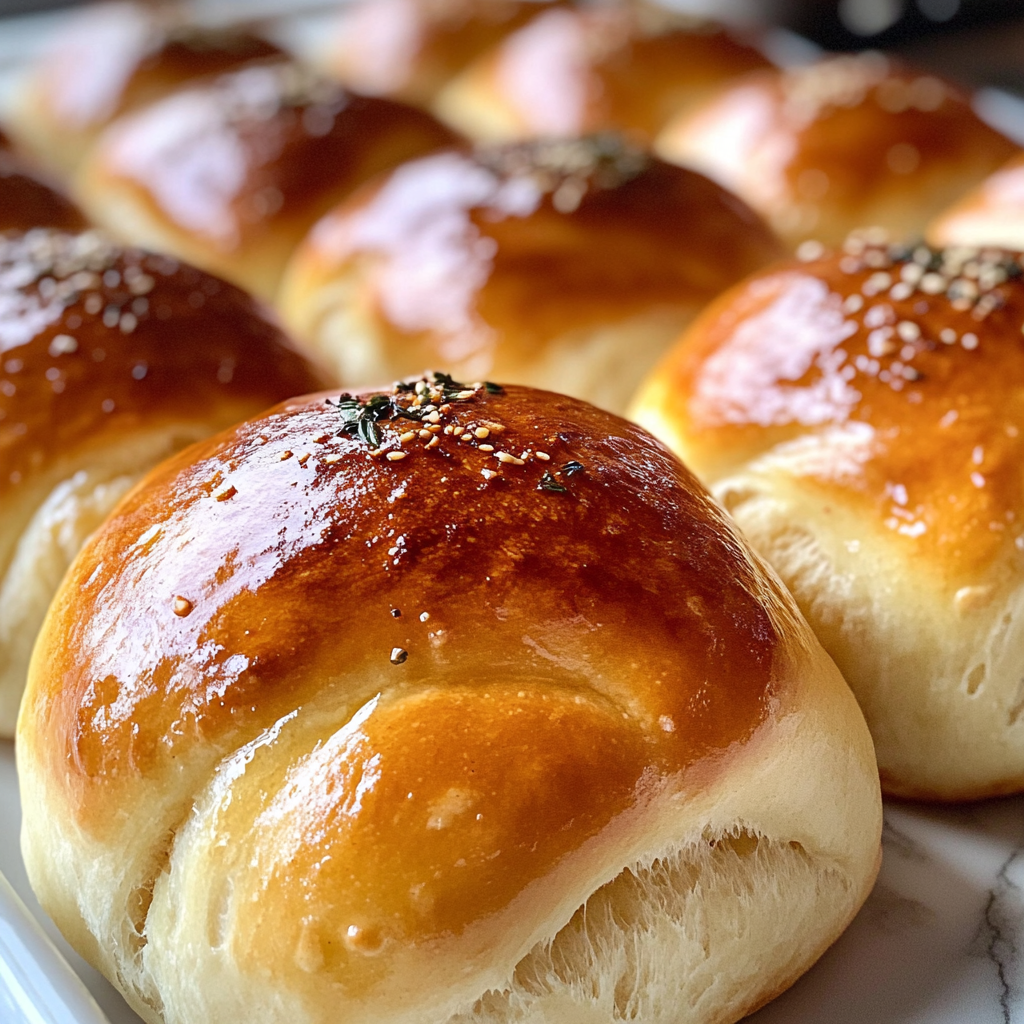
(896, 291)
(567, 169)
(435, 414)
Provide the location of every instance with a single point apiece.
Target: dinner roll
(111, 360)
(570, 265)
(569, 72)
(448, 703)
(26, 201)
(231, 174)
(861, 416)
(849, 141)
(408, 49)
(115, 57)
(991, 214)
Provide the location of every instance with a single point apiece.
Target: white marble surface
(940, 940)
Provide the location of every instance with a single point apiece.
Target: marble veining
(939, 941)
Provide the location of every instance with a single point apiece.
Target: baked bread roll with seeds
(629, 67)
(113, 359)
(111, 58)
(442, 704)
(860, 416)
(851, 141)
(232, 173)
(990, 215)
(26, 201)
(570, 265)
(408, 49)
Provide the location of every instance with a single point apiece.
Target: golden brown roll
(231, 174)
(629, 67)
(111, 360)
(861, 415)
(990, 215)
(408, 49)
(442, 704)
(846, 142)
(570, 265)
(112, 58)
(27, 201)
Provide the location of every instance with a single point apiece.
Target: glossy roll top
(112, 58)
(98, 340)
(838, 145)
(408, 49)
(568, 264)
(387, 685)
(862, 416)
(232, 173)
(628, 67)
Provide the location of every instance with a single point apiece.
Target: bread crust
(847, 142)
(567, 264)
(628, 67)
(859, 414)
(416, 702)
(231, 174)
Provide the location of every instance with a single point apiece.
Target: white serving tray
(940, 940)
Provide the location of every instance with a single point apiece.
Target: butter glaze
(849, 141)
(489, 257)
(631, 68)
(532, 555)
(904, 364)
(96, 341)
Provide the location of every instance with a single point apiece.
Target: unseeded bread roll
(850, 141)
(112, 58)
(112, 360)
(627, 67)
(565, 264)
(336, 721)
(231, 174)
(409, 49)
(26, 201)
(861, 416)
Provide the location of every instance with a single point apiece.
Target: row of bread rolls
(650, 713)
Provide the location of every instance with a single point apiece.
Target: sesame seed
(809, 251)
(425, 435)
(182, 606)
(225, 493)
(948, 336)
(432, 443)
(933, 284)
(396, 456)
(409, 435)
(303, 459)
(854, 303)
(908, 330)
(458, 431)
(398, 656)
(434, 417)
(544, 457)
(465, 394)
(482, 432)
(488, 474)
(969, 341)
(506, 457)
(332, 459)
(449, 429)
(424, 616)
(487, 447)
(285, 455)
(434, 428)
(901, 291)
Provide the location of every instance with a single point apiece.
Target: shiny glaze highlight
(492, 256)
(98, 341)
(899, 375)
(577, 630)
